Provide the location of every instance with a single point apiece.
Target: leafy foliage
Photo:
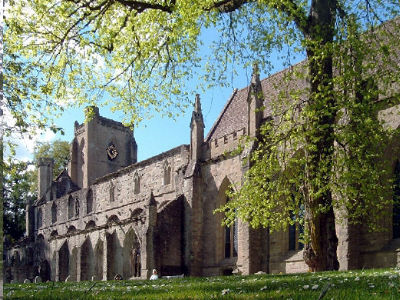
(359, 177)
(321, 148)
(16, 182)
(57, 150)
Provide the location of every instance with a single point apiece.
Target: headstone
(260, 273)
(236, 272)
(37, 279)
(27, 281)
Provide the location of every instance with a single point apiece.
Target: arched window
(227, 236)
(39, 218)
(167, 173)
(296, 229)
(231, 239)
(112, 192)
(54, 213)
(70, 207)
(136, 180)
(89, 201)
(396, 201)
(77, 206)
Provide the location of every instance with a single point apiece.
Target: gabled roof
(234, 115)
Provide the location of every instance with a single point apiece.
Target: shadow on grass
(366, 284)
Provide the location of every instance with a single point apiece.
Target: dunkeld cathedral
(109, 214)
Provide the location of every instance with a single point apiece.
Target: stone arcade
(109, 214)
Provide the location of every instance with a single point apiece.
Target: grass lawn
(363, 284)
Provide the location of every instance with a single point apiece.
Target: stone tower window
(112, 151)
(77, 206)
(70, 207)
(54, 213)
(137, 183)
(167, 173)
(39, 218)
(89, 201)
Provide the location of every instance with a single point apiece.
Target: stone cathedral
(109, 214)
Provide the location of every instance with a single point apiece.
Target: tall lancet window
(71, 211)
(89, 201)
(39, 218)
(167, 173)
(77, 206)
(112, 192)
(54, 213)
(231, 239)
(136, 182)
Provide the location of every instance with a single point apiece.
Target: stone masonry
(109, 214)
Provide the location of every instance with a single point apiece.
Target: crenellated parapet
(224, 144)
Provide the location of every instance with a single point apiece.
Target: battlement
(226, 143)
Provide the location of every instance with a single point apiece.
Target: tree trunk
(320, 252)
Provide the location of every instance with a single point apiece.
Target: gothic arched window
(89, 201)
(167, 173)
(54, 213)
(39, 218)
(112, 192)
(296, 229)
(231, 238)
(70, 207)
(136, 180)
(77, 206)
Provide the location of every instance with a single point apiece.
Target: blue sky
(159, 134)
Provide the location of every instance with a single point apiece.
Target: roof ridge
(220, 115)
(237, 92)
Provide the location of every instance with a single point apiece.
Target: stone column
(147, 256)
(57, 267)
(105, 261)
(348, 251)
(78, 264)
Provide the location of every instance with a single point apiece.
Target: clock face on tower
(112, 152)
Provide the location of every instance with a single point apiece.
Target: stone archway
(131, 255)
(87, 263)
(44, 270)
(63, 262)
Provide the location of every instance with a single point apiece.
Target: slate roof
(234, 115)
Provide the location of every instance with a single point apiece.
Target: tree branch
(226, 6)
(141, 6)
